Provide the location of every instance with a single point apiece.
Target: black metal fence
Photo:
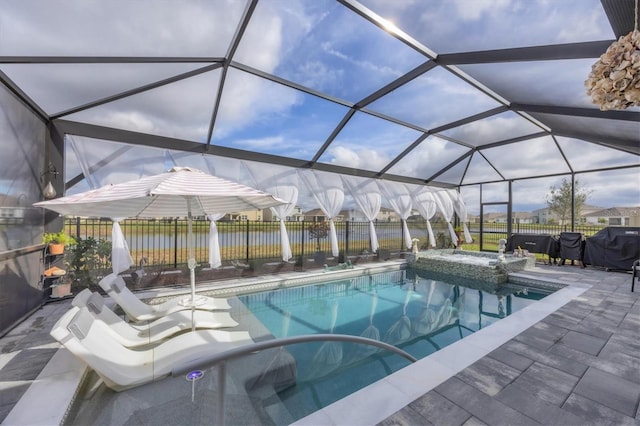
(493, 232)
(163, 242)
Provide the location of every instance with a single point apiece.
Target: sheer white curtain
(215, 260)
(126, 162)
(446, 208)
(228, 168)
(121, 259)
(327, 190)
(283, 183)
(207, 165)
(399, 198)
(425, 203)
(461, 211)
(366, 194)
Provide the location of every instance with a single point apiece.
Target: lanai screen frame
(619, 13)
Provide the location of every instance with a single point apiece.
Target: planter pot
(61, 290)
(383, 254)
(320, 258)
(56, 248)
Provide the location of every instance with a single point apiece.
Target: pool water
(417, 314)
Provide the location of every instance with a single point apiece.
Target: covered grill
(613, 247)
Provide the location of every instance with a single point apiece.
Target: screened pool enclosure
(330, 104)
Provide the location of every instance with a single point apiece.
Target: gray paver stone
(610, 390)
(583, 342)
(439, 410)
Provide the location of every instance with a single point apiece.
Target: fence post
(302, 249)
(247, 254)
(77, 227)
(175, 243)
(346, 240)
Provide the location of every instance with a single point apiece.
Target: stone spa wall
(470, 264)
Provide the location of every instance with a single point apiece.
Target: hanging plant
(614, 80)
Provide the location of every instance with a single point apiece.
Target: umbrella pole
(192, 302)
(192, 260)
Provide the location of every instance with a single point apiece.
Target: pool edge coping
(59, 381)
(381, 399)
(58, 365)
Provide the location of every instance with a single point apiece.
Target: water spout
(502, 243)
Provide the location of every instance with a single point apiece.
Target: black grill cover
(554, 247)
(614, 247)
(534, 243)
(571, 245)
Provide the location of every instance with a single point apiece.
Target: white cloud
(363, 158)
(493, 129)
(472, 10)
(95, 27)
(182, 109)
(429, 157)
(262, 43)
(247, 99)
(262, 144)
(318, 75)
(365, 66)
(467, 25)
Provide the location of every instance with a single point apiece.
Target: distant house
(545, 215)
(317, 215)
(12, 209)
(12, 215)
(296, 216)
(614, 216)
(516, 217)
(495, 217)
(245, 215)
(473, 218)
(387, 215)
(384, 215)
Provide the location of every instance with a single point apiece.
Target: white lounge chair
(122, 368)
(133, 335)
(138, 311)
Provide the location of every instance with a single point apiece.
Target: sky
(322, 46)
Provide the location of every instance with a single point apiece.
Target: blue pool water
(417, 314)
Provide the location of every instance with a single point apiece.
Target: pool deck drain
(572, 359)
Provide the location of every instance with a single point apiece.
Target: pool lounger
(122, 368)
(137, 310)
(132, 335)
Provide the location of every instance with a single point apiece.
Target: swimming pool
(419, 314)
(174, 400)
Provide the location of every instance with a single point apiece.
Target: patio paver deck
(579, 365)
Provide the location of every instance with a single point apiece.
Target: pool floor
(418, 314)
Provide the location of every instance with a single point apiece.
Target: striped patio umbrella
(182, 191)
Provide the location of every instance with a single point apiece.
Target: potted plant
(87, 259)
(460, 234)
(57, 240)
